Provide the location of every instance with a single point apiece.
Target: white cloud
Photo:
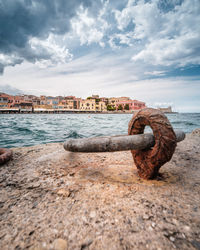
(179, 51)
(155, 73)
(90, 29)
(52, 52)
(157, 36)
(44, 53)
(117, 40)
(144, 17)
(23, 21)
(169, 38)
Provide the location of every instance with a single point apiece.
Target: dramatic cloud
(159, 32)
(23, 22)
(102, 46)
(90, 29)
(170, 35)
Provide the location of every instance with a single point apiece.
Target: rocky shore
(53, 199)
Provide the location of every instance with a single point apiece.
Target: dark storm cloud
(21, 20)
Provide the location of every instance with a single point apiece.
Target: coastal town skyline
(148, 50)
(94, 103)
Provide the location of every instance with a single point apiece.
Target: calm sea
(19, 130)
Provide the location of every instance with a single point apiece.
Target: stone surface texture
(52, 198)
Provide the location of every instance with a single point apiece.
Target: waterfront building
(43, 100)
(4, 98)
(28, 97)
(166, 110)
(36, 101)
(58, 102)
(60, 98)
(13, 100)
(92, 105)
(31, 98)
(101, 106)
(42, 107)
(78, 100)
(104, 99)
(24, 106)
(88, 105)
(53, 101)
(73, 102)
(130, 105)
(49, 101)
(67, 104)
(112, 101)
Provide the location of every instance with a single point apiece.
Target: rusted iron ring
(5, 155)
(148, 161)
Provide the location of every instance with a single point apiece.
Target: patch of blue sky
(166, 5)
(192, 70)
(189, 71)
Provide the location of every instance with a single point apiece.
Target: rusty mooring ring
(148, 161)
(5, 155)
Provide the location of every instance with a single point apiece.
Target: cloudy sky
(147, 50)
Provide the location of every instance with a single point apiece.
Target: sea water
(19, 130)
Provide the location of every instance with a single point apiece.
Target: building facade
(92, 105)
(4, 98)
(130, 105)
(114, 100)
(68, 103)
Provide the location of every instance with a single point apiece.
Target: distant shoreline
(12, 111)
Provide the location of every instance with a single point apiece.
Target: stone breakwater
(53, 199)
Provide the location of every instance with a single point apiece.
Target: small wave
(18, 130)
(40, 132)
(184, 123)
(21, 129)
(190, 124)
(96, 134)
(73, 134)
(177, 122)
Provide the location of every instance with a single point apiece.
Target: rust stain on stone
(117, 174)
